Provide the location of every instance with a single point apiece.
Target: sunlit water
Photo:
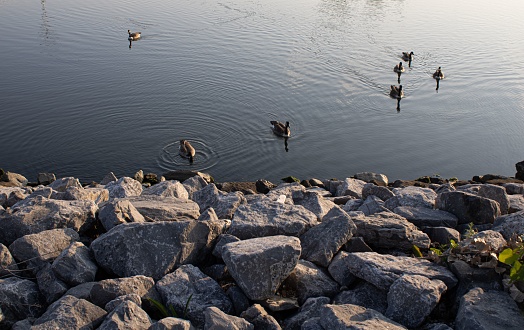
(76, 100)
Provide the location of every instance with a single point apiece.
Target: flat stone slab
(425, 217)
(158, 208)
(354, 317)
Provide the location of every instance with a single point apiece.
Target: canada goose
(407, 56)
(396, 92)
(281, 129)
(133, 35)
(186, 150)
(399, 68)
(438, 74)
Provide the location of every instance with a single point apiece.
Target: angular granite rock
(371, 189)
(124, 187)
(154, 249)
(425, 217)
(294, 192)
(486, 310)
(322, 242)
(354, 317)
(411, 298)
(224, 204)
(62, 184)
(20, 299)
(468, 207)
(258, 316)
(259, 265)
(110, 306)
(8, 264)
(172, 323)
(96, 195)
(379, 179)
(366, 295)
(127, 315)
(309, 310)
(188, 282)
(157, 208)
(269, 219)
(510, 224)
(317, 204)
(382, 270)
(412, 196)
(104, 291)
(351, 187)
(171, 188)
(70, 313)
(216, 319)
(51, 287)
(75, 265)
(371, 205)
(117, 212)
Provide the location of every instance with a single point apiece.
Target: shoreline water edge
(180, 251)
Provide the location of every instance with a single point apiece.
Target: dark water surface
(75, 100)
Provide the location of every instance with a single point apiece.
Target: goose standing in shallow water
(399, 68)
(186, 150)
(407, 56)
(133, 35)
(438, 74)
(281, 129)
(396, 92)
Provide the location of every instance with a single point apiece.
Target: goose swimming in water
(133, 35)
(281, 129)
(399, 68)
(186, 150)
(396, 92)
(407, 56)
(438, 74)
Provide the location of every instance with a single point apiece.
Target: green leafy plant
(514, 257)
(169, 311)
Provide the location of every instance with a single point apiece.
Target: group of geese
(396, 91)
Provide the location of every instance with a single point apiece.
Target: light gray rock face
(322, 242)
(310, 309)
(189, 282)
(380, 179)
(10, 179)
(493, 239)
(208, 214)
(8, 264)
(412, 196)
(104, 291)
(259, 265)
(270, 219)
(366, 295)
(171, 188)
(425, 217)
(510, 224)
(224, 204)
(154, 249)
(411, 298)
(223, 240)
(37, 250)
(172, 323)
(14, 197)
(20, 299)
(516, 203)
(481, 310)
(127, 315)
(124, 187)
(215, 319)
(70, 313)
(193, 184)
(317, 204)
(82, 291)
(372, 205)
(75, 265)
(307, 281)
(351, 187)
(294, 192)
(155, 208)
(258, 316)
(37, 214)
(468, 207)
(388, 230)
(110, 306)
(5, 192)
(382, 270)
(117, 212)
(338, 317)
(96, 195)
(371, 189)
(514, 188)
(497, 194)
(62, 184)
(50, 286)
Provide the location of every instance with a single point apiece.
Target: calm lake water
(77, 100)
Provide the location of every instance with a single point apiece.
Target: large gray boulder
(10, 179)
(351, 187)
(308, 280)
(62, 184)
(483, 310)
(411, 299)
(19, 299)
(412, 196)
(102, 292)
(510, 224)
(75, 265)
(154, 249)
(188, 283)
(259, 265)
(37, 250)
(157, 208)
(216, 319)
(170, 188)
(468, 207)
(224, 204)
(322, 242)
(124, 187)
(371, 205)
(425, 217)
(491, 191)
(37, 214)
(516, 203)
(379, 179)
(386, 230)
(127, 315)
(193, 184)
(117, 212)
(382, 270)
(95, 194)
(317, 204)
(294, 192)
(269, 219)
(70, 313)
(113, 304)
(366, 295)
(354, 317)
(371, 189)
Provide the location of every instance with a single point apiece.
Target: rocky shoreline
(183, 252)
